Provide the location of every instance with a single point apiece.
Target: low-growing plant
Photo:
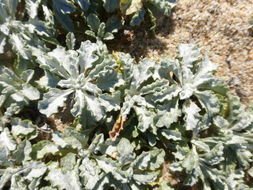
(153, 125)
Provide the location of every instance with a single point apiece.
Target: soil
(219, 27)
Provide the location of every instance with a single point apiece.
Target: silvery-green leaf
(58, 140)
(191, 111)
(215, 176)
(3, 13)
(108, 80)
(145, 177)
(174, 135)
(166, 67)
(244, 156)
(94, 146)
(42, 148)
(90, 33)
(93, 22)
(87, 55)
(215, 156)
(125, 150)
(4, 157)
(37, 171)
(235, 178)
(250, 172)
(108, 36)
(7, 175)
(106, 65)
(2, 99)
(187, 91)
(49, 80)
(133, 6)
(110, 102)
(110, 166)
(154, 87)
(151, 137)
(19, 155)
(189, 53)
(50, 62)
(32, 7)
(157, 158)
(14, 108)
(245, 120)
(142, 161)
(209, 101)
(94, 107)
(164, 6)
(67, 59)
(27, 75)
(7, 77)
(30, 92)
(18, 97)
(90, 173)
(64, 180)
(79, 103)
(191, 165)
(127, 105)
(68, 162)
(23, 129)
(27, 151)
(48, 188)
(18, 44)
(70, 40)
(204, 72)
(52, 100)
(201, 145)
(142, 72)
(10, 6)
(166, 94)
(2, 44)
(6, 140)
(49, 18)
(167, 117)
(145, 117)
(221, 122)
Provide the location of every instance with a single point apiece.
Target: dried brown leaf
(117, 127)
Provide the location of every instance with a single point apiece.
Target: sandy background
(219, 27)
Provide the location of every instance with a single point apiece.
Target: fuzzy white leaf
(30, 92)
(64, 180)
(32, 7)
(189, 53)
(52, 100)
(6, 140)
(191, 111)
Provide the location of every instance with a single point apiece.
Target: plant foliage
(74, 115)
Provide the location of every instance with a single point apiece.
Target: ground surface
(219, 27)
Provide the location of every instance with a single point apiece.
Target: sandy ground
(220, 28)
